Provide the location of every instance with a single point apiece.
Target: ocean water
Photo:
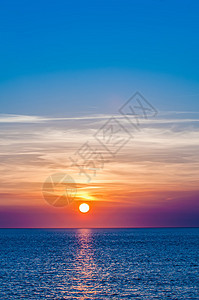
(99, 264)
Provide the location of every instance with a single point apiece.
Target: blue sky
(50, 36)
(86, 46)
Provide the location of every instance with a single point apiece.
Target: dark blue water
(99, 264)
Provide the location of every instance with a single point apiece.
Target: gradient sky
(65, 68)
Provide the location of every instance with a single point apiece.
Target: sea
(145, 264)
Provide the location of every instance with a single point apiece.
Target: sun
(84, 208)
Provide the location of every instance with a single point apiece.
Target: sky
(66, 69)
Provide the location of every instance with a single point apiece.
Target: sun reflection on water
(84, 264)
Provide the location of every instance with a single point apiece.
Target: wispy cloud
(162, 156)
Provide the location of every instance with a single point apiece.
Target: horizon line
(148, 227)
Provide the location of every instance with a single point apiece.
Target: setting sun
(84, 207)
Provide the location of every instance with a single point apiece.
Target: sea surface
(99, 264)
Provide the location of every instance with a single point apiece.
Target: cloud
(161, 156)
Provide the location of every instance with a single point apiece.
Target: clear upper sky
(52, 36)
(39, 38)
(42, 36)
